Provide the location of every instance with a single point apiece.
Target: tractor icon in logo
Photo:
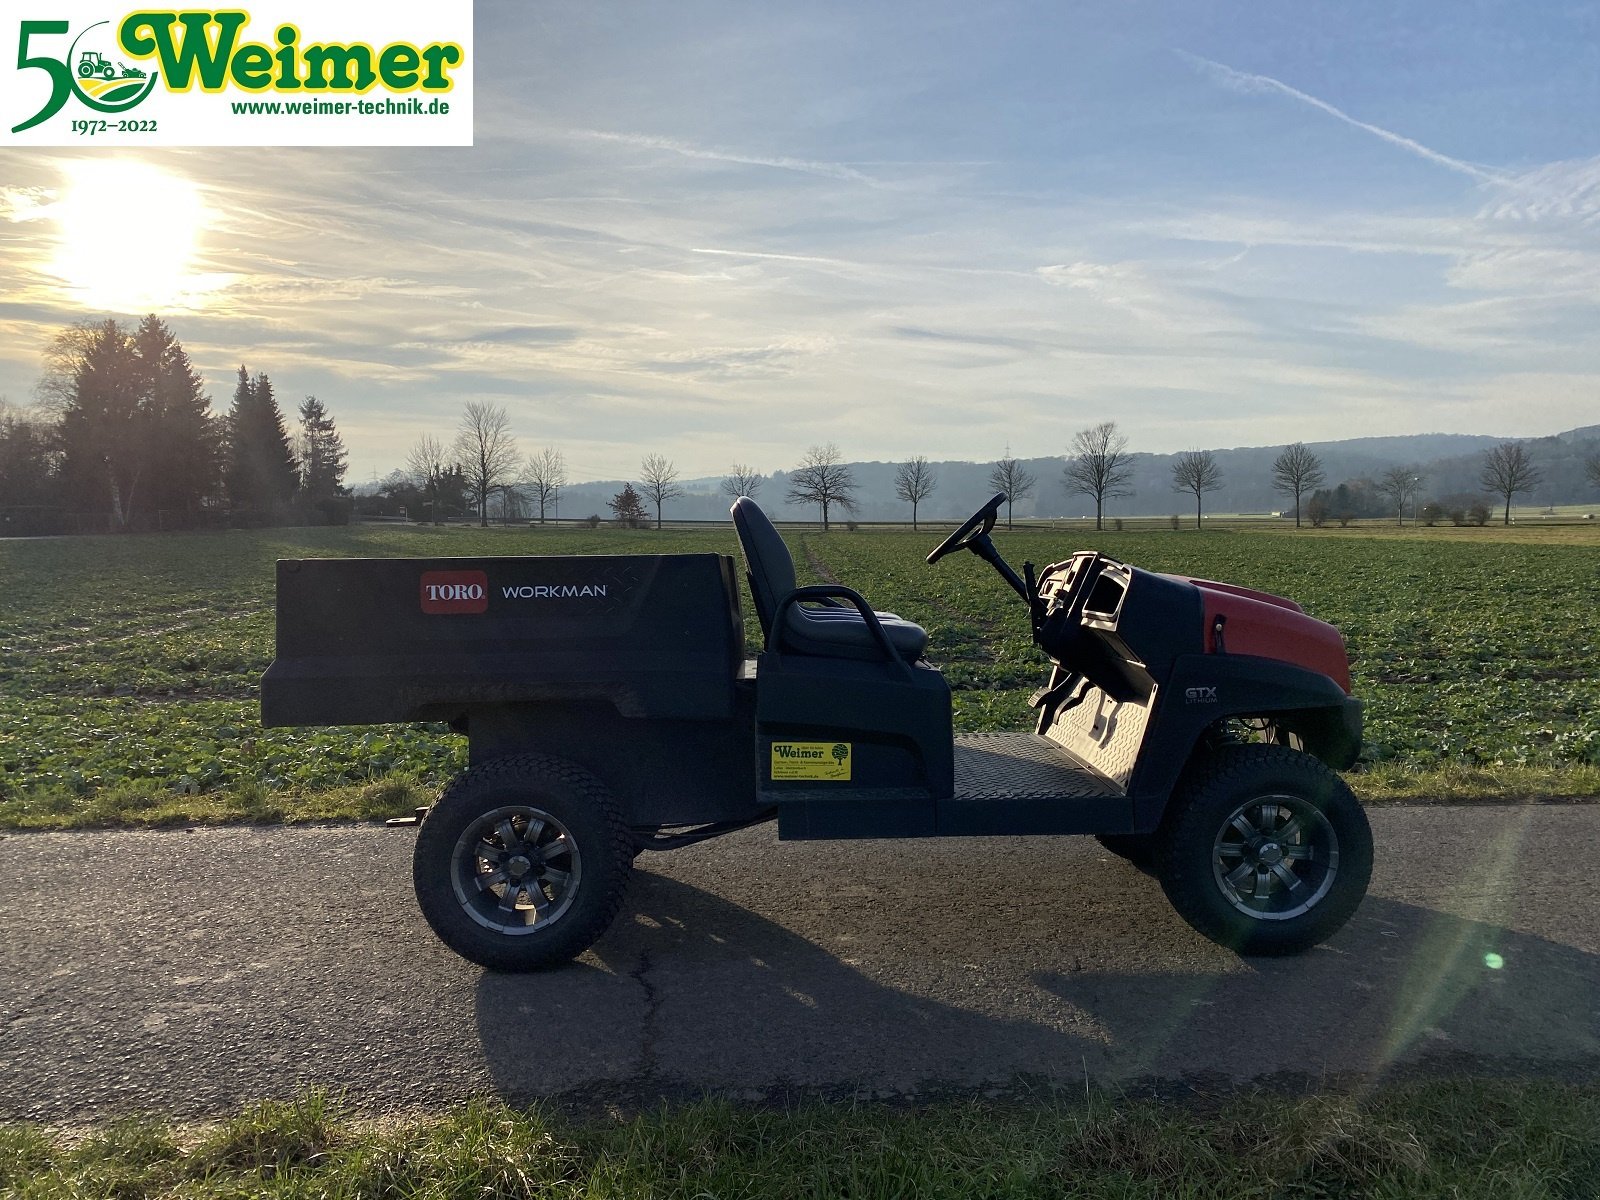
(101, 82)
(94, 63)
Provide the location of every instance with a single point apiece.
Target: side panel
(661, 772)
(890, 727)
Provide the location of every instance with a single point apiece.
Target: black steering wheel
(970, 532)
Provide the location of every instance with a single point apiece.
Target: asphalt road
(185, 971)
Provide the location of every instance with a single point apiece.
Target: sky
(726, 231)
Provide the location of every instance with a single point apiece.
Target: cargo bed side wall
(368, 641)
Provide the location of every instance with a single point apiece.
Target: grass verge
(148, 805)
(1448, 1139)
(1388, 783)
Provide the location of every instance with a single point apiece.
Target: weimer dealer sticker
(811, 760)
(280, 73)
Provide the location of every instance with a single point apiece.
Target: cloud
(526, 335)
(685, 149)
(25, 203)
(1567, 191)
(1244, 81)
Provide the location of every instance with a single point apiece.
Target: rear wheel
(523, 863)
(1265, 850)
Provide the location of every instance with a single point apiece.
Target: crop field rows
(134, 661)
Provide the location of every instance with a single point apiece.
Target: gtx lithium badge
(455, 592)
(1200, 695)
(811, 760)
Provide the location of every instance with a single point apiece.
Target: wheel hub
(515, 870)
(1275, 857)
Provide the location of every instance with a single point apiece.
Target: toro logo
(455, 592)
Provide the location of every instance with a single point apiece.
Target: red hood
(1269, 626)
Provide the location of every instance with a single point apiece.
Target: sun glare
(128, 232)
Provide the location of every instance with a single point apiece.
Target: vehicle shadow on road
(691, 993)
(1402, 989)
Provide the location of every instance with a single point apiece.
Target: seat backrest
(767, 561)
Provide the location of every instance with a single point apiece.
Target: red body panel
(1233, 589)
(1271, 627)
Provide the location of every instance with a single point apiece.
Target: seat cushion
(841, 633)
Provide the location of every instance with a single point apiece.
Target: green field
(128, 666)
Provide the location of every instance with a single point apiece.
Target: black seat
(830, 630)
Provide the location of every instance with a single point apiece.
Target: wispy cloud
(1558, 191)
(1246, 81)
(643, 141)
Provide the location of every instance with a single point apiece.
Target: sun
(128, 232)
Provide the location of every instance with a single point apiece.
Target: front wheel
(1265, 850)
(523, 863)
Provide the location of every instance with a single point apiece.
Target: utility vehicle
(609, 708)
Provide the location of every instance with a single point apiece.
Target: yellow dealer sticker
(811, 760)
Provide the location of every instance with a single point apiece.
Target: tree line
(125, 430)
(124, 434)
(482, 471)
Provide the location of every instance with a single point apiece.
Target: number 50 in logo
(96, 78)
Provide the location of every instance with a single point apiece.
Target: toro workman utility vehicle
(609, 708)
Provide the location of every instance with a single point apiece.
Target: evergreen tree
(629, 508)
(27, 459)
(322, 454)
(184, 438)
(105, 434)
(261, 473)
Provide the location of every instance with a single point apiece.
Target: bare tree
(1196, 472)
(1591, 468)
(1507, 470)
(427, 464)
(1295, 472)
(658, 480)
(822, 479)
(1099, 466)
(486, 450)
(1400, 484)
(914, 482)
(547, 475)
(742, 481)
(1012, 478)
(511, 502)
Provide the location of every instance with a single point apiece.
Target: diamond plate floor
(1022, 766)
